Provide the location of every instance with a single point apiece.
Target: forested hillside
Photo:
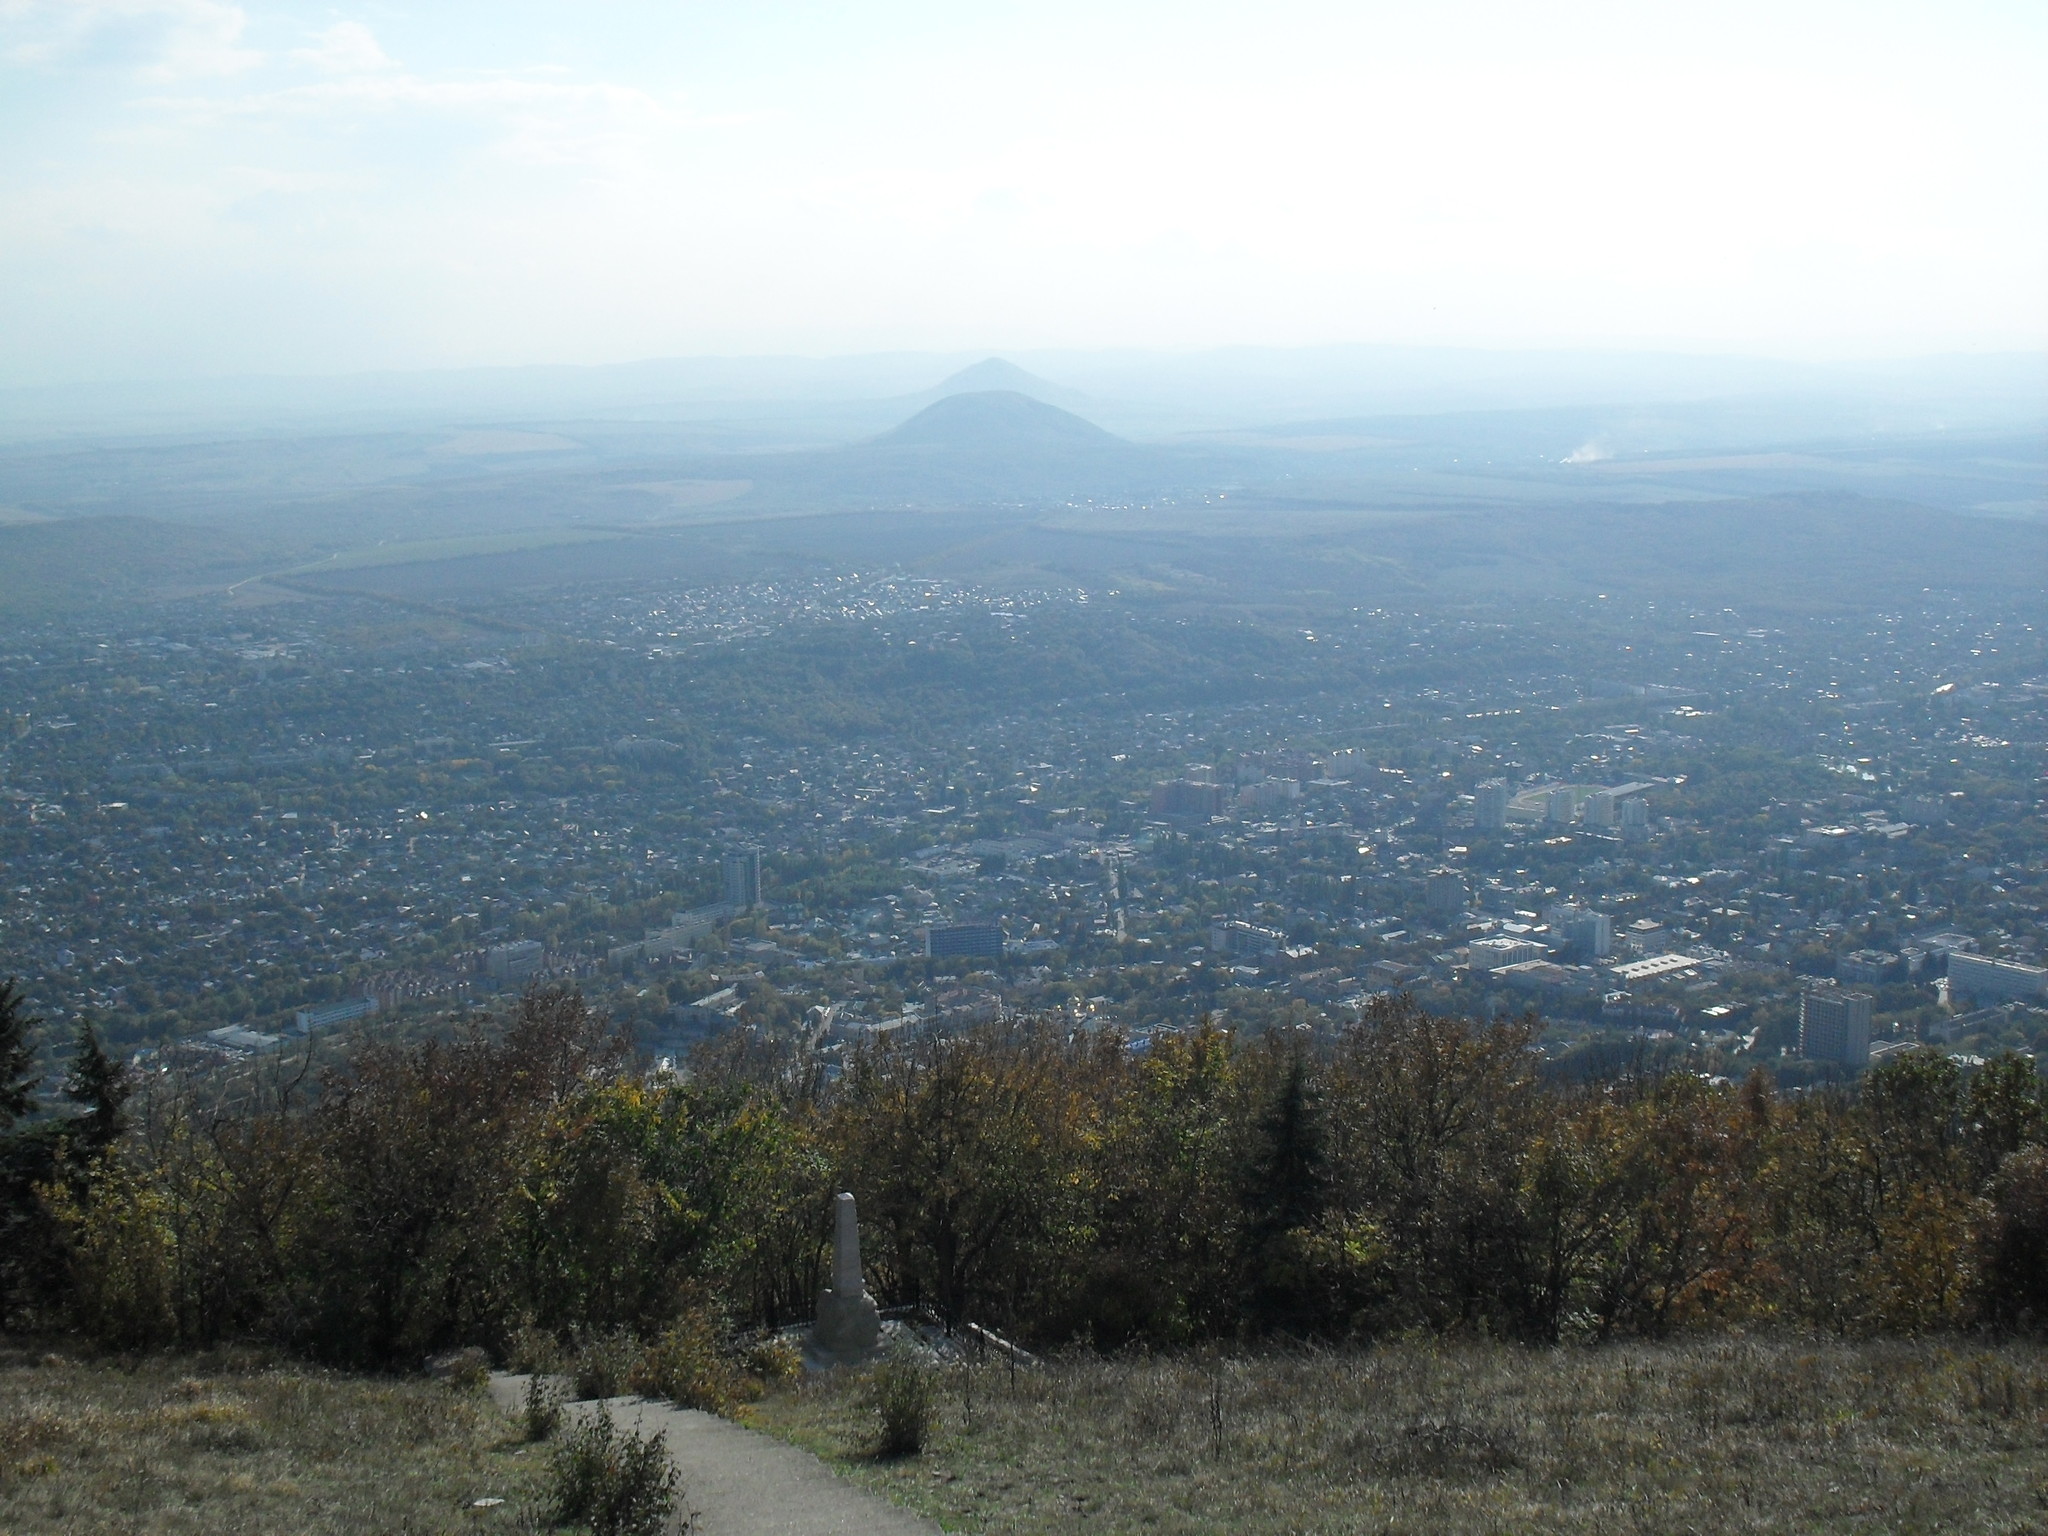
(528, 1179)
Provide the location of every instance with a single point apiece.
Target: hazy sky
(194, 187)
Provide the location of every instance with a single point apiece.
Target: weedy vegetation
(234, 1441)
(903, 1394)
(1726, 1434)
(691, 1365)
(541, 1408)
(612, 1481)
(604, 1364)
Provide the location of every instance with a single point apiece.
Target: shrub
(904, 1395)
(690, 1367)
(605, 1363)
(543, 1409)
(467, 1367)
(612, 1480)
(1449, 1447)
(775, 1360)
(534, 1351)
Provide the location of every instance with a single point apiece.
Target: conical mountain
(995, 373)
(996, 419)
(993, 446)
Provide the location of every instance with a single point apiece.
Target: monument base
(848, 1327)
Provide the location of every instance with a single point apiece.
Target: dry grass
(227, 1444)
(1708, 1436)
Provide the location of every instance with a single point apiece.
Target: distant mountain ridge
(1151, 393)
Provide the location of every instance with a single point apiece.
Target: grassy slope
(1708, 1436)
(222, 1445)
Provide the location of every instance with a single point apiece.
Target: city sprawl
(856, 801)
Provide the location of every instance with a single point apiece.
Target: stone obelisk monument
(848, 1326)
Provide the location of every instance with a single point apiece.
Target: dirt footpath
(739, 1483)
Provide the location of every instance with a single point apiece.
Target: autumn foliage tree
(1404, 1172)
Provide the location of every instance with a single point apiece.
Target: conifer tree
(1284, 1198)
(17, 1054)
(100, 1086)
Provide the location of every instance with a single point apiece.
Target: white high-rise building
(1589, 932)
(1592, 932)
(1835, 1026)
(1491, 812)
(742, 870)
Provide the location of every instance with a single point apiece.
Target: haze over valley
(1114, 768)
(995, 472)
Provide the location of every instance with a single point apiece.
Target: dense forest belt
(1409, 1173)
